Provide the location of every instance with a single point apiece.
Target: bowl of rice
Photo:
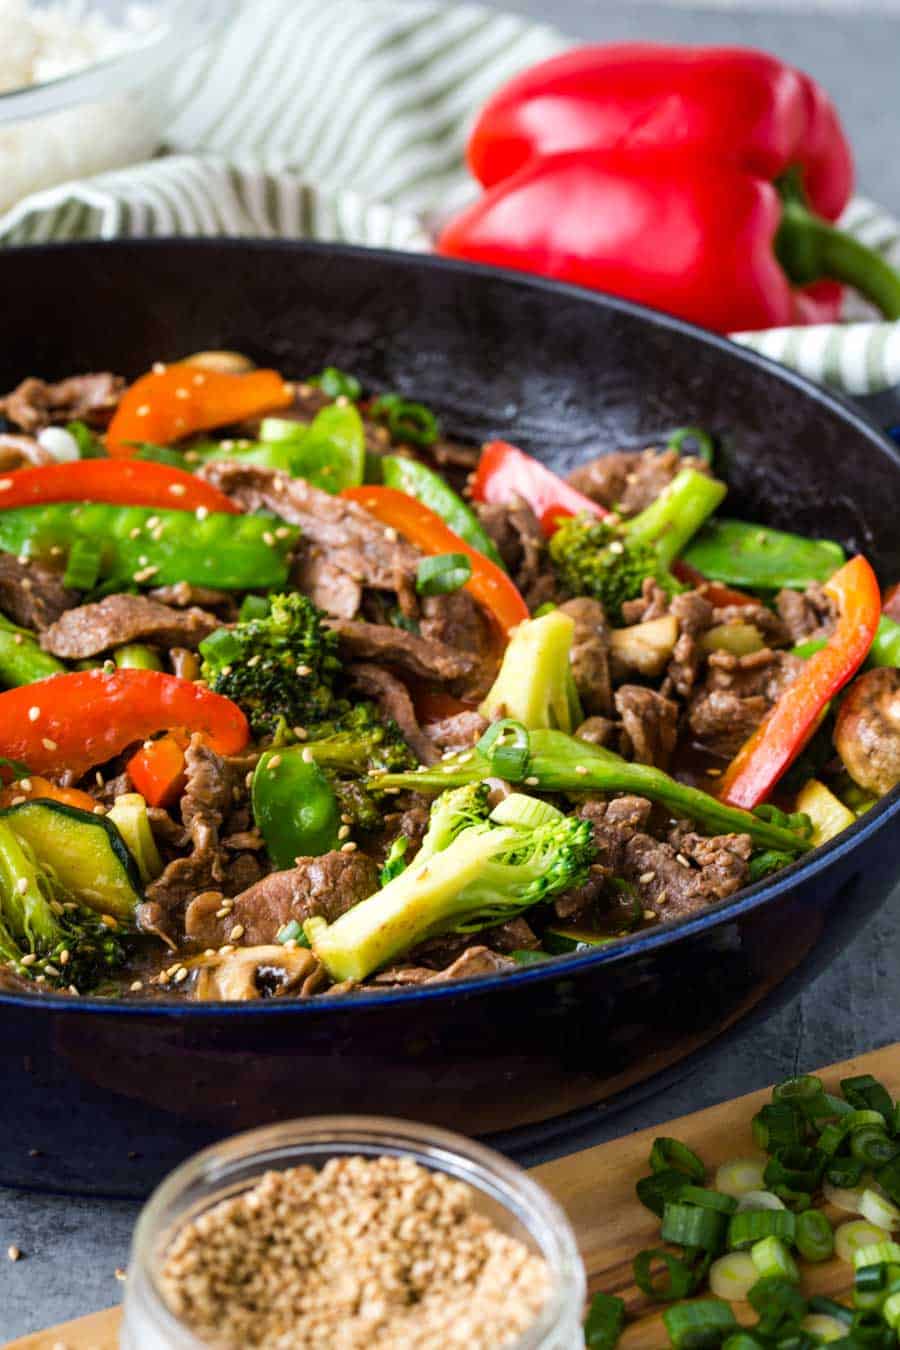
(80, 81)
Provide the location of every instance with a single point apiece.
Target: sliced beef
(34, 404)
(459, 731)
(335, 591)
(182, 595)
(806, 614)
(30, 595)
(590, 653)
(343, 533)
(695, 615)
(736, 695)
(474, 963)
(517, 533)
(652, 603)
(117, 619)
(649, 724)
(456, 621)
(597, 731)
(359, 641)
(771, 626)
(326, 886)
(628, 480)
(673, 880)
(393, 700)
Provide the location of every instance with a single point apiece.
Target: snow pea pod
(418, 481)
(330, 452)
(741, 554)
(156, 547)
(885, 649)
(21, 659)
(294, 806)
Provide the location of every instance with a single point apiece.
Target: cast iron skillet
(114, 1094)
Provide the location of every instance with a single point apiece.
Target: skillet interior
(566, 375)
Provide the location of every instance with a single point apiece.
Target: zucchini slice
(86, 852)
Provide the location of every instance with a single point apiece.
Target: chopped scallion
(604, 1323)
(814, 1236)
(669, 1153)
(443, 573)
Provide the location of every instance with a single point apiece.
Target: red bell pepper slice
(424, 528)
(34, 788)
(172, 402)
(76, 721)
(784, 732)
(159, 769)
(504, 472)
(714, 591)
(131, 483)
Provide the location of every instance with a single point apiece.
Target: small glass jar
(507, 1195)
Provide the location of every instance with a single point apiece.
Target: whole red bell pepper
(700, 182)
(784, 732)
(729, 104)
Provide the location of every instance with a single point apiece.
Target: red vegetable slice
(505, 472)
(126, 483)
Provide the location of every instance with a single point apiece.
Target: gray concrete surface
(71, 1247)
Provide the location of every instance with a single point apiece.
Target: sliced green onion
(672, 1277)
(875, 1254)
(670, 1154)
(777, 1125)
(137, 656)
(83, 564)
(879, 1210)
(292, 931)
(829, 1307)
(771, 1257)
(871, 1145)
(337, 383)
(795, 1166)
(889, 1179)
(753, 1225)
(691, 1226)
(656, 1191)
(890, 1311)
(760, 1200)
(814, 1236)
(407, 421)
(739, 1176)
(706, 1199)
(506, 746)
(700, 1325)
(871, 1279)
(797, 1201)
(694, 440)
(733, 1276)
(221, 644)
(845, 1173)
(778, 1303)
(858, 1234)
(866, 1093)
(530, 958)
(803, 1086)
(443, 573)
(823, 1327)
(604, 1323)
(742, 1340)
(253, 607)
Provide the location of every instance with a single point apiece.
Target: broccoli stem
(562, 763)
(676, 515)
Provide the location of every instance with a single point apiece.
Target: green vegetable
(561, 763)
(885, 649)
(657, 1190)
(771, 1257)
(604, 1323)
(534, 684)
(279, 668)
(693, 1226)
(741, 554)
(407, 421)
(137, 656)
(395, 862)
(337, 383)
(428, 487)
(331, 452)
(671, 1155)
(229, 552)
(610, 562)
(443, 573)
(675, 1279)
(83, 564)
(89, 445)
(294, 806)
(752, 1225)
(470, 873)
(699, 1326)
(560, 941)
(46, 929)
(865, 1093)
(22, 660)
(693, 436)
(355, 740)
(814, 1236)
(86, 852)
(129, 815)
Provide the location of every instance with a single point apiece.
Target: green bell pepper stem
(137, 656)
(418, 481)
(229, 552)
(294, 806)
(809, 249)
(755, 556)
(21, 659)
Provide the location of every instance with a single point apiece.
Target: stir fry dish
(300, 696)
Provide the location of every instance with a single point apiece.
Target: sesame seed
(51, 970)
(581, 770)
(283, 532)
(34, 713)
(180, 975)
(148, 745)
(30, 959)
(99, 779)
(236, 933)
(5, 484)
(199, 378)
(152, 522)
(182, 393)
(145, 573)
(136, 985)
(162, 977)
(274, 762)
(159, 367)
(302, 671)
(13, 1253)
(226, 950)
(109, 921)
(344, 832)
(25, 784)
(301, 733)
(662, 898)
(64, 957)
(99, 809)
(201, 512)
(22, 885)
(177, 489)
(714, 773)
(649, 913)
(58, 908)
(680, 858)
(307, 755)
(646, 877)
(144, 410)
(222, 913)
(48, 744)
(254, 660)
(143, 560)
(531, 780)
(135, 532)
(349, 847)
(268, 538)
(390, 535)
(119, 1273)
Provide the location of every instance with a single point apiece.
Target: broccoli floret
(279, 668)
(610, 561)
(535, 684)
(355, 740)
(43, 931)
(481, 874)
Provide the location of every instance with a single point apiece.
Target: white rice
(43, 42)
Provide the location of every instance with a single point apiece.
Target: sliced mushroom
(867, 730)
(645, 647)
(256, 972)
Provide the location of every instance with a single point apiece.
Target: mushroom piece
(256, 972)
(867, 730)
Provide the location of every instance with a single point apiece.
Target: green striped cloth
(348, 121)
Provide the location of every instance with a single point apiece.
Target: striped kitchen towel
(347, 120)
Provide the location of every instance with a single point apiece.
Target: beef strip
(590, 653)
(806, 614)
(31, 595)
(649, 723)
(736, 695)
(459, 731)
(182, 595)
(393, 700)
(517, 533)
(326, 886)
(596, 730)
(673, 880)
(652, 603)
(628, 480)
(456, 621)
(117, 619)
(474, 963)
(34, 404)
(359, 641)
(695, 615)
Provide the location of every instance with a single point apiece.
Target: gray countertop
(72, 1247)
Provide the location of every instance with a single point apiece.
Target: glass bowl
(106, 114)
(506, 1193)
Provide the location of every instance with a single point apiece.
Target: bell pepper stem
(810, 249)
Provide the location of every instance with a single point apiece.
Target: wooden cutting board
(596, 1188)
